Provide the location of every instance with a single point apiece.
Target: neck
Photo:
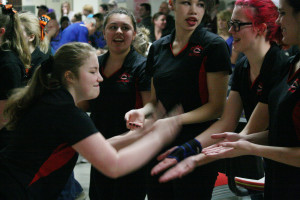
(31, 48)
(118, 57)
(256, 56)
(182, 36)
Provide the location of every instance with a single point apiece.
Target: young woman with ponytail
(14, 59)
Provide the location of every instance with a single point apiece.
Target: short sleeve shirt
(40, 157)
(119, 93)
(270, 73)
(181, 79)
(284, 112)
(12, 73)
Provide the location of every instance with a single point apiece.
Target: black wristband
(189, 148)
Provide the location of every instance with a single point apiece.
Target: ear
(261, 29)
(2, 31)
(31, 37)
(171, 5)
(69, 76)
(134, 34)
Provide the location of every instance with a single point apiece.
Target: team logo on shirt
(259, 88)
(196, 50)
(124, 78)
(294, 86)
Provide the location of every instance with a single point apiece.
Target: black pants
(132, 186)
(197, 185)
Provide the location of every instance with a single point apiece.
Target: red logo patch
(196, 50)
(294, 86)
(124, 78)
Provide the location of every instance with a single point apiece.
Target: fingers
(165, 154)
(219, 136)
(134, 125)
(183, 168)
(163, 165)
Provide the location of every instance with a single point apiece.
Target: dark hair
(265, 12)
(78, 17)
(157, 15)
(104, 7)
(64, 18)
(121, 11)
(99, 16)
(295, 4)
(209, 4)
(147, 6)
(49, 76)
(52, 15)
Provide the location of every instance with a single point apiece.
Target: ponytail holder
(8, 9)
(44, 19)
(48, 65)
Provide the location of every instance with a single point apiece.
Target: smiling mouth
(118, 40)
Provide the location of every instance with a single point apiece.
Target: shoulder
(10, 59)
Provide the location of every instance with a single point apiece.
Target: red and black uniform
(119, 93)
(39, 159)
(282, 181)
(182, 80)
(252, 92)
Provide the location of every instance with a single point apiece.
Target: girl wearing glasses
(188, 67)
(280, 145)
(14, 57)
(255, 33)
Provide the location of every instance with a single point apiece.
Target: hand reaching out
(165, 162)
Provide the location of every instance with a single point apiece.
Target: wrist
(190, 148)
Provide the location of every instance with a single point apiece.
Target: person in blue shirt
(78, 32)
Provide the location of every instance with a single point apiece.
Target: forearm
(257, 138)
(219, 126)
(286, 155)
(121, 141)
(259, 120)
(204, 113)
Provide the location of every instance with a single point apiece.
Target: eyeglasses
(237, 25)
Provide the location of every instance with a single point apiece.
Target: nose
(278, 20)
(193, 8)
(119, 30)
(231, 29)
(100, 78)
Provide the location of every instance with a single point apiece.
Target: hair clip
(44, 19)
(8, 9)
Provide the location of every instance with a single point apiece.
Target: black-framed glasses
(237, 25)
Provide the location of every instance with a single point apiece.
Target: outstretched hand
(229, 149)
(134, 119)
(181, 169)
(165, 162)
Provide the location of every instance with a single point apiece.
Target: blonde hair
(32, 27)
(48, 76)
(88, 8)
(13, 38)
(141, 41)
